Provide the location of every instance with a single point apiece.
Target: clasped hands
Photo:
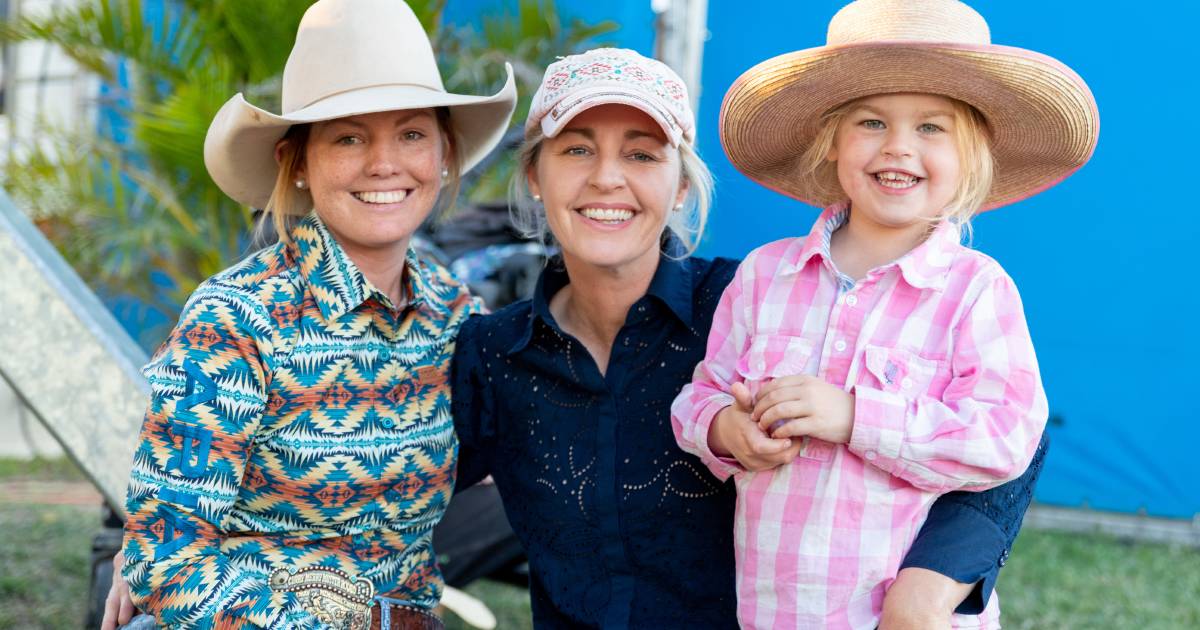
(768, 431)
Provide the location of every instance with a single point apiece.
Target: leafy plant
(133, 209)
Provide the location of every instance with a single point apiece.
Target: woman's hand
(920, 599)
(733, 433)
(802, 405)
(118, 607)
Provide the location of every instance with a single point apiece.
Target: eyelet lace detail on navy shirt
(622, 528)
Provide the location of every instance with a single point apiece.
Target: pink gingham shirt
(936, 351)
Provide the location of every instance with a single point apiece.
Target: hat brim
(1043, 119)
(612, 93)
(239, 149)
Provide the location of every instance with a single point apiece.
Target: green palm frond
(171, 131)
(96, 33)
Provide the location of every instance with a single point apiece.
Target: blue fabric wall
(1103, 261)
(634, 16)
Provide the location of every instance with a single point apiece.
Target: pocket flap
(775, 355)
(898, 370)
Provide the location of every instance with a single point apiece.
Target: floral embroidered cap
(612, 75)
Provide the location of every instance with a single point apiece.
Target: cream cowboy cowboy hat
(1043, 119)
(351, 57)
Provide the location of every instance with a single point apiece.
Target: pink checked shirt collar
(925, 267)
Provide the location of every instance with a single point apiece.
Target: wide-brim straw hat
(351, 57)
(1042, 117)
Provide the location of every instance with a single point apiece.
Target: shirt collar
(926, 266)
(336, 283)
(671, 284)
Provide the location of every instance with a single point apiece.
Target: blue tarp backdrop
(1101, 260)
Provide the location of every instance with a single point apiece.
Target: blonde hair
(687, 224)
(972, 141)
(289, 203)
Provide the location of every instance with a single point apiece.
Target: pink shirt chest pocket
(903, 373)
(772, 356)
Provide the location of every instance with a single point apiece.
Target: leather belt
(386, 615)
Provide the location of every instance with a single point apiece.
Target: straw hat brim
(239, 150)
(1043, 119)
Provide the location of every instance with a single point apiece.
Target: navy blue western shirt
(621, 527)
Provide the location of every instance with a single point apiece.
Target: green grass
(1062, 581)
(1053, 580)
(40, 468)
(510, 604)
(44, 554)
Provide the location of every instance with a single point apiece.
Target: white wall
(21, 435)
(42, 85)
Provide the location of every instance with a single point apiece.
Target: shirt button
(388, 423)
(906, 383)
(851, 300)
(761, 365)
(839, 345)
(871, 455)
(1004, 557)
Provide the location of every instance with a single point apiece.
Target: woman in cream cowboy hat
(298, 449)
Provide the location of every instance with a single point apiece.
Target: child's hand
(733, 433)
(795, 406)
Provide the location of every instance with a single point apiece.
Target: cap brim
(609, 94)
(1042, 116)
(239, 149)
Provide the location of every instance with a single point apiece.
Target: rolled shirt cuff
(721, 467)
(964, 545)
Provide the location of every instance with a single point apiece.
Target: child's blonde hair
(972, 140)
(687, 224)
(289, 203)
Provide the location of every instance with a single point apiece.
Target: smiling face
(608, 181)
(374, 178)
(897, 160)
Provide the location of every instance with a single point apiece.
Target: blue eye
(873, 123)
(642, 156)
(348, 140)
(576, 151)
(413, 135)
(929, 128)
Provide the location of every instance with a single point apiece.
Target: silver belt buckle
(330, 595)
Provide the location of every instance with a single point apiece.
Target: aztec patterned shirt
(298, 448)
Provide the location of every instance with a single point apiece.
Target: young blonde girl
(892, 361)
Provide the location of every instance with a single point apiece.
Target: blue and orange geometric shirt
(298, 448)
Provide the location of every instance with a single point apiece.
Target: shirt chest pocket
(777, 356)
(774, 356)
(903, 373)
